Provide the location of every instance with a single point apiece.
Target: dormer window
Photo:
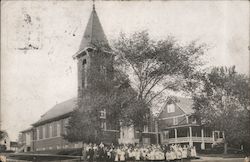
(171, 108)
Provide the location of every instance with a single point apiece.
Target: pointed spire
(93, 32)
(93, 4)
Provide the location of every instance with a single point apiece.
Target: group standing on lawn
(101, 152)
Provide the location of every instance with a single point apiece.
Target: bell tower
(88, 57)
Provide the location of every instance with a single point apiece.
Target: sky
(39, 38)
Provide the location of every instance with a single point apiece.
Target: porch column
(213, 138)
(175, 135)
(190, 138)
(223, 135)
(157, 132)
(202, 139)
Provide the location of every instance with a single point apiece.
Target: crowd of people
(101, 152)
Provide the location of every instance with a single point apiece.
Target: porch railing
(187, 139)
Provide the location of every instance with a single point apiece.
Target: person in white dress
(184, 152)
(130, 153)
(193, 152)
(178, 153)
(161, 155)
(122, 155)
(137, 154)
(168, 155)
(117, 154)
(173, 154)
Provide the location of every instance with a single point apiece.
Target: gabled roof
(186, 104)
(58, 110)
(27, 130)
(93, 33)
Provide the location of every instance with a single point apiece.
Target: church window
(40, 132)
(103, 114)
(58, 128)
(103, 125)
(47, 131)
(84, 73)
(37, 133)
(50, 130)
(44, 133)
(145, 128)
(65, 124)
(54, 129)
(103, 71)
(171, 108)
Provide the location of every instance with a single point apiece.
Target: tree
(157, 66)
(2, 134)
(223, 104)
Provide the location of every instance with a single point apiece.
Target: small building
(4, 141)
(177, 125)
(13, 146)
(25, 140)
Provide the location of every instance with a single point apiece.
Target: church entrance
(127, 135)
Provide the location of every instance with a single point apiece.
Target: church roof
(93, 33)
(58, 110)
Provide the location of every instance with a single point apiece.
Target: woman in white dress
(168, 155)
(122, 155)
(137, 154)
(178, 153)
(193, 152)
(117, 154)
(173, 154)
(184, 152)
(161, 155)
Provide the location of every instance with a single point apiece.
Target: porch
(191, 135)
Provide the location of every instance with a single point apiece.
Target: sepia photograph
(125, 80)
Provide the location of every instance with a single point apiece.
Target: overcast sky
(34, 80)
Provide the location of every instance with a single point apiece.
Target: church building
(46, 134)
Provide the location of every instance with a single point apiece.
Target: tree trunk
(225, 147)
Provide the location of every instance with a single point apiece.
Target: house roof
(58, 110)
(93, 33)
(186, 104)
(27, 130)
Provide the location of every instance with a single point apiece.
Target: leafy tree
(157, 66)
(223, 103)
(2, 134)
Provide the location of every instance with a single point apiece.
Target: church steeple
(89, 60)
(93, 32)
